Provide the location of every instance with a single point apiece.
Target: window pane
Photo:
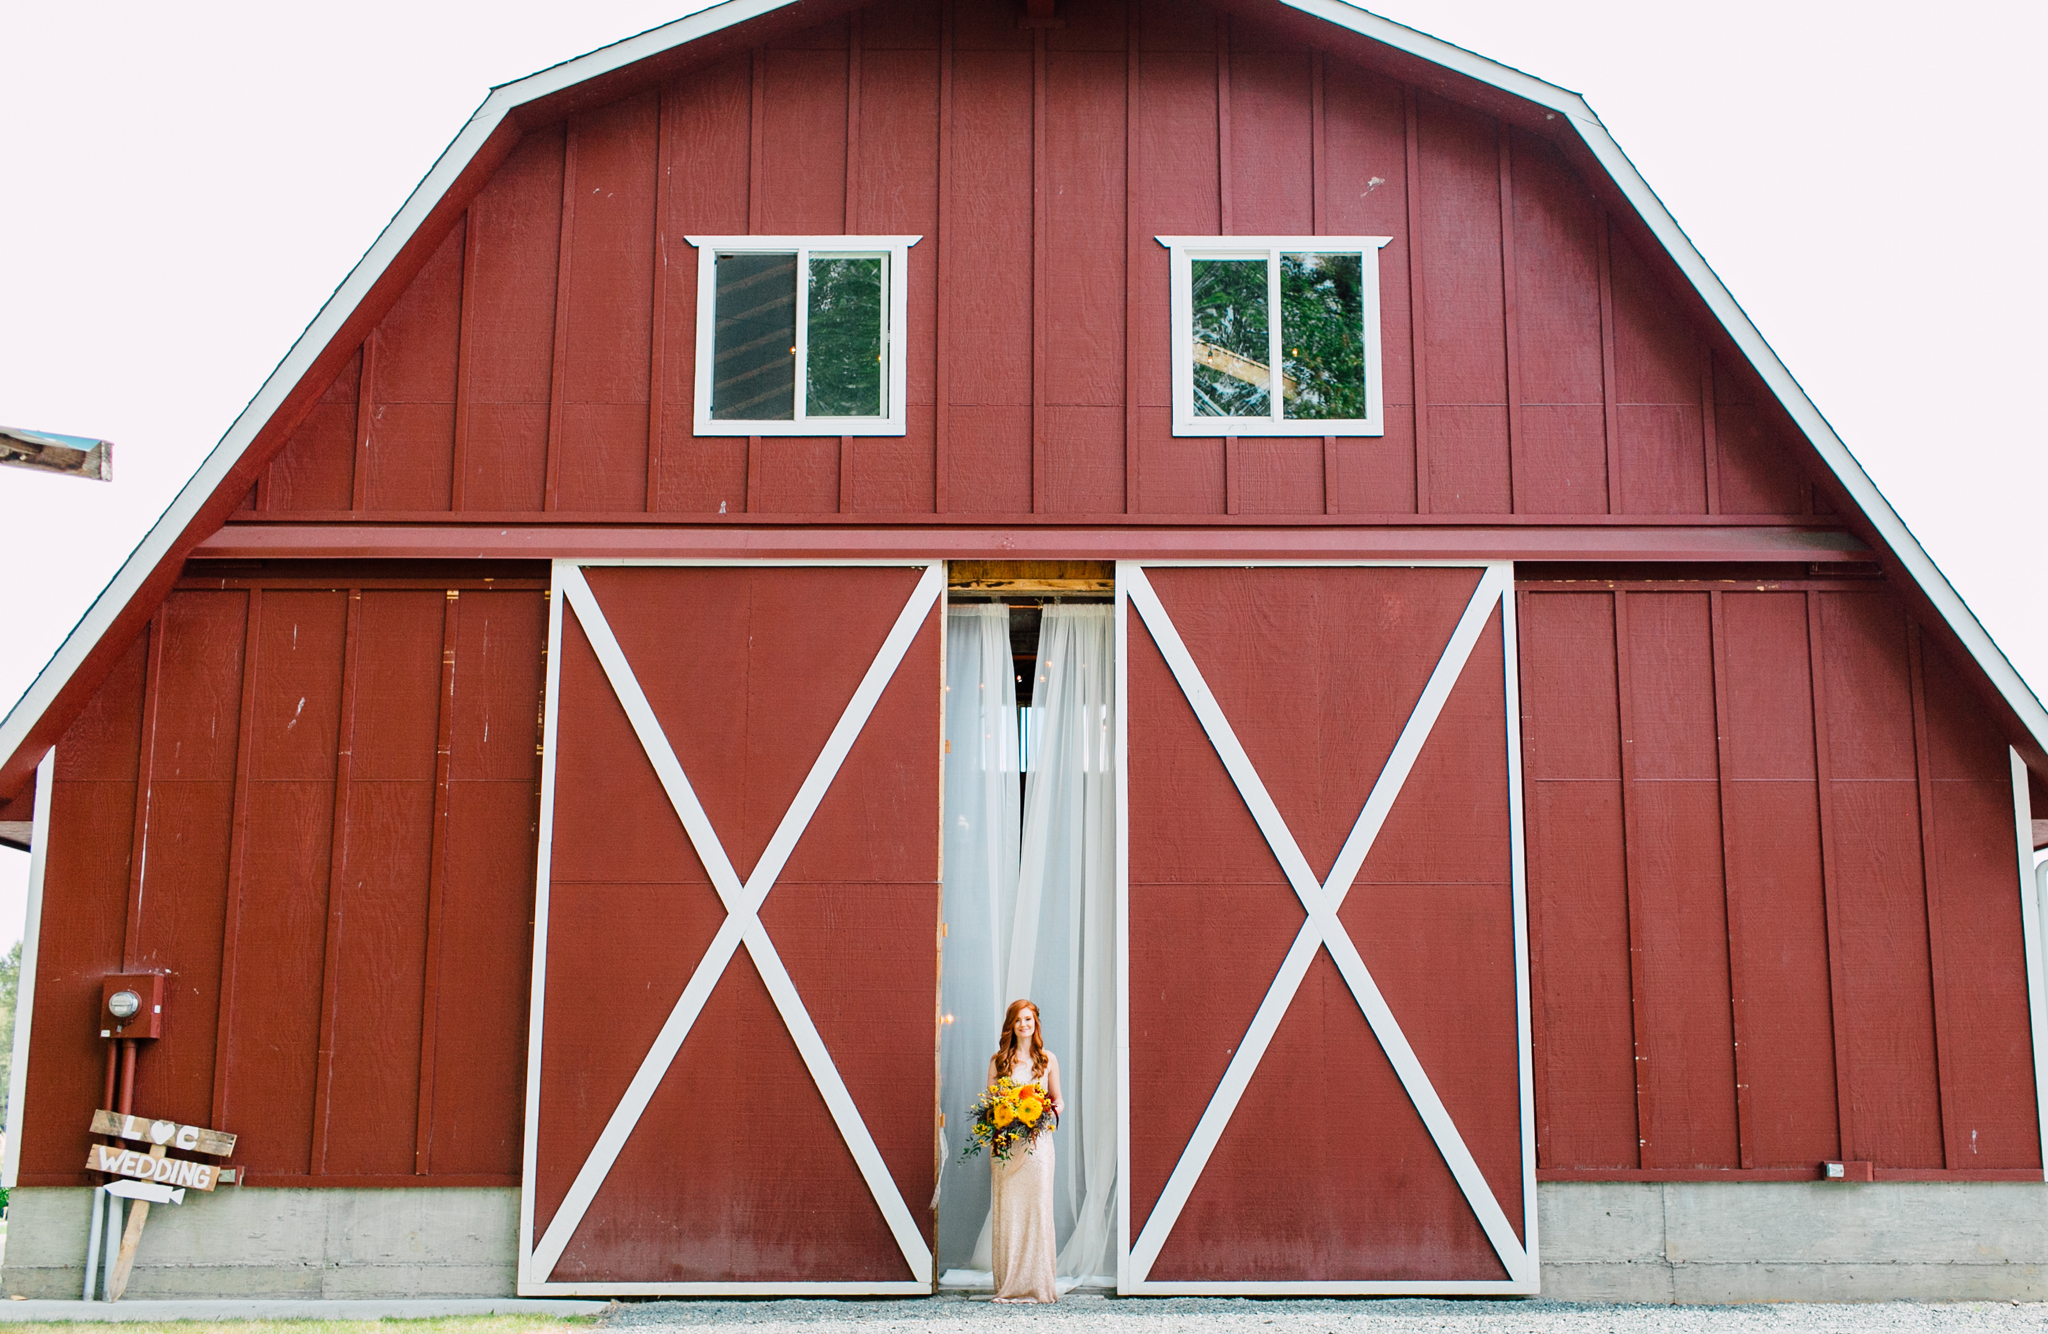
(1322, 335)
(753, 340)
(845, 369)
(1230, 349)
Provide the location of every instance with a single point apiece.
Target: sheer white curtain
(982, 804)
(1062, 944)
(1051, 932)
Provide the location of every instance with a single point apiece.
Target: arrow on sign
(147, 1190)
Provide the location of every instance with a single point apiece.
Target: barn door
(730, 1084)
(1326, 1023)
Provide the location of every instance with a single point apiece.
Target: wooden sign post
(153, 1166)
(138, 1214)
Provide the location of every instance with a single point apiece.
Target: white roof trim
(157, 544)
(220, 461)
(1748, 339)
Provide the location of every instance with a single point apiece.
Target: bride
(1021, 1223)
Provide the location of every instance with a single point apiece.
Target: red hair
(1006, 1047)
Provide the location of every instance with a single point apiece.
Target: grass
(449, 1324)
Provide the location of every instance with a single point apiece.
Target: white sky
(185, 184)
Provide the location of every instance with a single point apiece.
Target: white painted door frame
(1324, 930)
(31, 941)
(742, 926)
(2031, 931)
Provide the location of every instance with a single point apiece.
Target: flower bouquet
(1006, 1116)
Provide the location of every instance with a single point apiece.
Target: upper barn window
(801, 335)
(1309, 305)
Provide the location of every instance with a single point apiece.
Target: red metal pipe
(127, 1107)
(113, 1058)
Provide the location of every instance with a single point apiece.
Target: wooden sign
(147, 1167)
(168, 1178)
(167, 1133)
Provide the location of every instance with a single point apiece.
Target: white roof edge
(158, 542)
(1733, 319)
(192, 497)
(1833, 451)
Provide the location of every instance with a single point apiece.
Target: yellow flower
(1004, 1114)
(1030, 1109)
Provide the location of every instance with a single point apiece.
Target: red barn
(1240, 521)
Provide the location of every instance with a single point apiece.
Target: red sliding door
(1325, 980)
(731, 1083)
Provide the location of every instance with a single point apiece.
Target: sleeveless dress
(1021, 1229)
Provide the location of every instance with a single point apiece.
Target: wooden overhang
(72, 455)
(17, 820)
(193, 524)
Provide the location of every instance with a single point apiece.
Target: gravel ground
(1087, 1314)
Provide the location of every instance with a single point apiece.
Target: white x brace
(742, 925)
(1323, 929)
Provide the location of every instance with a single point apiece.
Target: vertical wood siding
(542, 360)
(1770, 920)
(1771, 908)
(85, 898)
(312, 805)
(1771, 916)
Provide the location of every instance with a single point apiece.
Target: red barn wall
(1772, 902)
(1535, 363)
(332, 857)
(1770, 852)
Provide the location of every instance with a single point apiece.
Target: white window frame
(1183, 250)
(895, 380)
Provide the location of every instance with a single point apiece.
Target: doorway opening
(1030, 886)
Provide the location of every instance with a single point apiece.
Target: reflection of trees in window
(844, 376)
(1232, 377)
(1322, 331)
(1276, 330)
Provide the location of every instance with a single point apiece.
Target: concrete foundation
(1774, 1241)
(1600, 1241)
(438, 1242)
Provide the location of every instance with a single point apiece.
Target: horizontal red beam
(276, 541)
(1780, 1174)
(995, 519)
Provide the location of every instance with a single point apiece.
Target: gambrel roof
(510, 110)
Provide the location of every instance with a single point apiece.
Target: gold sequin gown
(1021, 1229)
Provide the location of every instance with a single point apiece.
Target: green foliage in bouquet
(1007, 1115)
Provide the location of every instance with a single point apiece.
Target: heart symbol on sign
(160, 1132)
